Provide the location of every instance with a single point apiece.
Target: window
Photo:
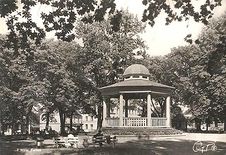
(135, 76)
(91, 126)
(87, 118)
(91, 118)
(86, 126)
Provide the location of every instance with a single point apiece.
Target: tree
(105, 53)
(113, 41)
(45, 79)
(52, 66)
(47, 115)
(29, 97)
(180, 69)
(177, 10)
(216, 60)
(198, 73)
(14, 75)
(190, 80)
(20, 88)
(65, 14)
(209, 72)
(10, 112)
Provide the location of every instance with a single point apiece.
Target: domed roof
(136, 69)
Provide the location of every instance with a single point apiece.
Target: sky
(160, 38)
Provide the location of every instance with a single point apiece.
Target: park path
(194, 137)
(155, 145)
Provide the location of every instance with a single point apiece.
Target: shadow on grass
(136, 147)
(9, 147)
(155, 147)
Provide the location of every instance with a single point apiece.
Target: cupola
(136, 71)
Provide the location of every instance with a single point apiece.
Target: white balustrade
(158, 121)
(112, 122)
(135, 121)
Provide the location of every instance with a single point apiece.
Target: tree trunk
(99, 112)
(62, 122)
(47, 120)
(13, 124)
(99, 117)
(27, 124)
(64, 116)
(224, 124)
(108, 107)
(23, 127)
(207, 126)
(163, 107)
(13, 127)
(198, 124)
(1, 127)
(156, 111)
(216, 122)
(144, 110)
(71, 121)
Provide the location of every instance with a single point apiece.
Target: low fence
(136, 122)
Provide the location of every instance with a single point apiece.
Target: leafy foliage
(105, 53)
(61, 76)
(65, 14)
(177, 10)
(198, 73)
(65, 77)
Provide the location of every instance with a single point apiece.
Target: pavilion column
(168, 119)
(104, 113)
(126, 107)
(121, 110)
(149, 110)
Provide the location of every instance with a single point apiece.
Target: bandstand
(136, 84)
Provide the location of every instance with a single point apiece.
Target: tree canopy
(197, 71)
(64, 14)
(65, 77)
(62, 76)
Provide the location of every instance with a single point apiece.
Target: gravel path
(193, 137)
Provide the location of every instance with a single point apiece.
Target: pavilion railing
(112, 122)
(158, 121)
(135, 121)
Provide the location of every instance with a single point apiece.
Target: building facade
(89, 123)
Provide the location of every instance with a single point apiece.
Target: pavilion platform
(141, 131)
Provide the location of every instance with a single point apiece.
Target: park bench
(111, 140)
(69, 141)
(100, 139)
(59, 142)
(72, 141)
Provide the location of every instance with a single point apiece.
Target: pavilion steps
(140, 131)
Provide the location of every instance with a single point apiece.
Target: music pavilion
(136, 84)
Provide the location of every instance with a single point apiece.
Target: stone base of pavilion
(140, 131)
